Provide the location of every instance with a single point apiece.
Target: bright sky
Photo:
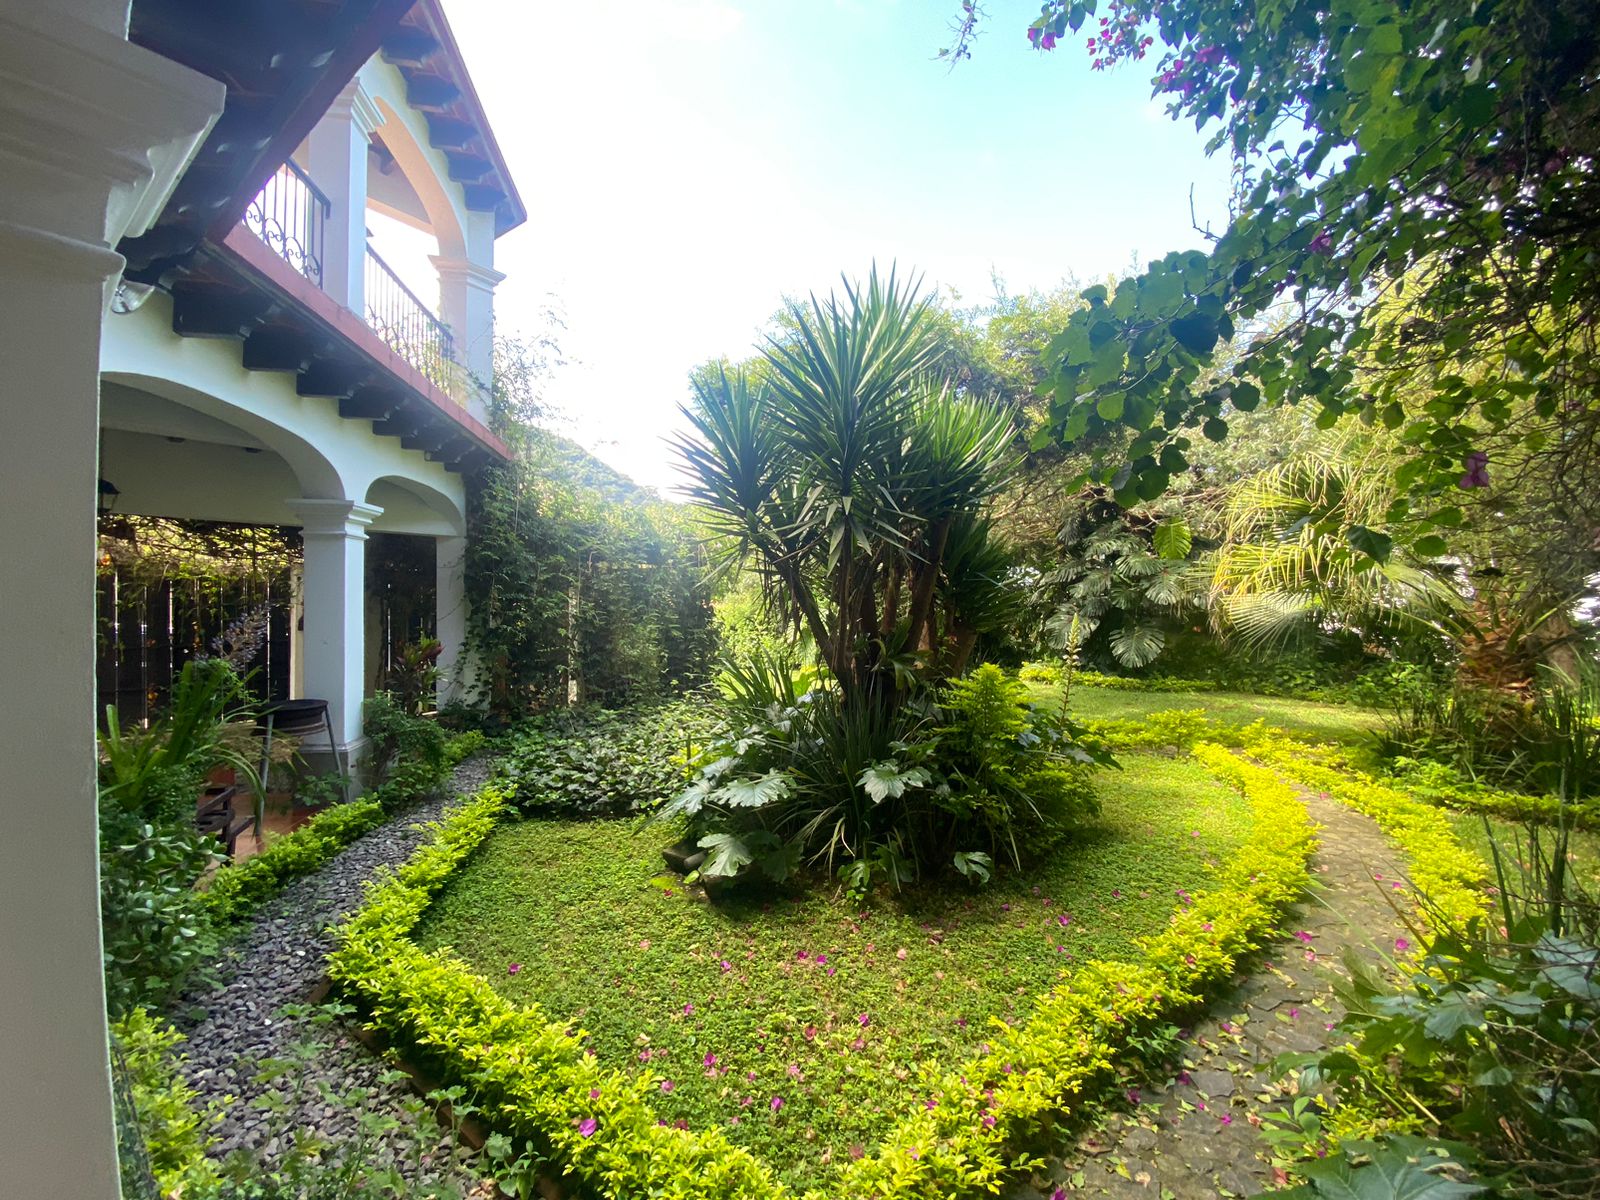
(687, 163)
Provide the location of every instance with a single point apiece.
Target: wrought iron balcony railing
(405, 324)
(290, 214)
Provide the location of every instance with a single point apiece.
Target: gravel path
(233, 1025)
(1195, 1136)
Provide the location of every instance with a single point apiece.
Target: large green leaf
(1173, 538)
(754, 793)
(886, 780)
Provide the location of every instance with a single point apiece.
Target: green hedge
(535, 1079)
(1449, 878)
(238, 890)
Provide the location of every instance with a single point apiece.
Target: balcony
(290, 216)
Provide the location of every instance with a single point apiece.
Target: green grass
(1305, 719)
(1583, 851)
(829, 1006)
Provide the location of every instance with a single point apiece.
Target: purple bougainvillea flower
(1477, 475)
(513, 968)
(777, 1103)
(1401, 945)
(794, 1070)
(1047, 42)
(587, 1126)
(1304, 937)
(1133, 1095)
(1185, 1077)
(961, 1022)
(864, 1020)
(1059, 1194)
(930, 1104)
(810, 1033)
(644, 1055)
(594, 1093)
(726, 965)
(858, 1044)
(1064, 919)
(1321, 244)
(681, 1123)
(821, 958)
(801, 956)
(988, 1120)
(1226, 1118)
(830, 970)
(688, 1010)
(710, 1059)
(1116, 893)
(667, 1085)
(1206, 927)
(1005, 908)
(746, 1101)
(751, 1076)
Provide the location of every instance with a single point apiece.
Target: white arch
(413, 506)
(423, 167)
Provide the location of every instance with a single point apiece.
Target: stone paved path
(1194, 1136)
(233, 1026)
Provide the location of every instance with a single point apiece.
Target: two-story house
(199, 316)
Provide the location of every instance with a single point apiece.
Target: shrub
(595, 762)
(172, 1125)
(874, 790)
(398, 737)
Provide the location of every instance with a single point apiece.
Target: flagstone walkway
(1196, 1136)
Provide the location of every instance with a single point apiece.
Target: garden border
(534, 1078)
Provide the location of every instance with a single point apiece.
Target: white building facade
(192, 311)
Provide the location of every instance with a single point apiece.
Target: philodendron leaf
(1391, 1175)
(753, 793)
(885, 780)
(1173, 538)
(726, 854)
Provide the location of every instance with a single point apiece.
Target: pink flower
(513, 968)
(961, 1022)
(1304, 937)
(1064, 919)
(688, 1010)
(594, 1093)
(644, 943)
(801, 956)
(710, 1059)
(667, 1085)
(1226, 1118)
(587, 1126)
(1116, 893)
(644, 1055)
(1133, 1095)
(746, 1101)
(821, 958)
(1401, 945)
(726, 965)
(930, 1104)
(777, 1103)
(666, 891)
(1047, 42)
(901, 954)
(864, 1020)
(810, 1033)
(1293, 1013)
(1477, 476)
(794, 1070)
(988, 1120)
(1321, 244)
(1005, 908)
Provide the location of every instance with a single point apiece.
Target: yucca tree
(844, 477)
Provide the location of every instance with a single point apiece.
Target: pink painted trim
(256, 257)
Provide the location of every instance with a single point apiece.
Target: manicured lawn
(1303, 718)
(797, 1021)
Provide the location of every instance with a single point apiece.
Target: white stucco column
(336, 155)
(466, 304)
(335, 534)
(93, 134)
(450, 621)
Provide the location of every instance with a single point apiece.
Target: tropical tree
(849, 478)
(1285, 566)
(1443, 148)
